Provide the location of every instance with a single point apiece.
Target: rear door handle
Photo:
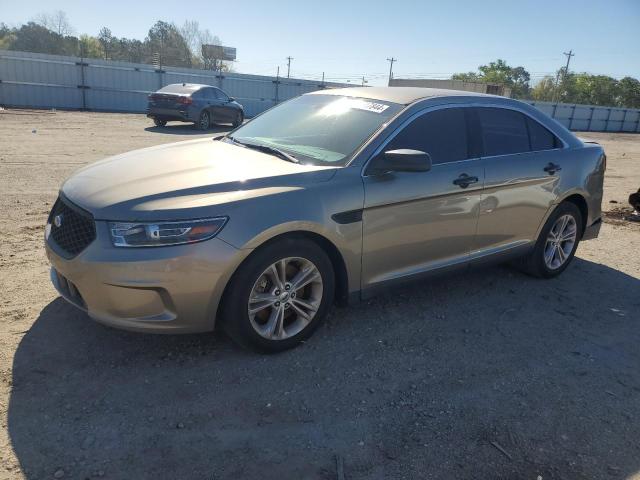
(464, 180)
(552, 168)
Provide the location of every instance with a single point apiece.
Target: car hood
(184, 180)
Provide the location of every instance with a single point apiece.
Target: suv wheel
(279, 296)
(204, 121)
(159, 122)
(557, 243)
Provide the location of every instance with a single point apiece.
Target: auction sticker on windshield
(369, 106)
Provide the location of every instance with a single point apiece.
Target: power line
(391, 60)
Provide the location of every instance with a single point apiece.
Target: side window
(441, 133)
(504, 131)
(541, 138)
(221, 95)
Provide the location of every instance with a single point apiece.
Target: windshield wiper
(266, 149)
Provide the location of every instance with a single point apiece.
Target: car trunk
(167, 100)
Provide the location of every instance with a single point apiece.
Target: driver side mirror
(231, 99)
(402, 160)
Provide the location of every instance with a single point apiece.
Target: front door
(414, 222)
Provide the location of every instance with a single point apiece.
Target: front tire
(279, 295)
(158, 122)
(557, 243)
(238, 120)
(204, 121)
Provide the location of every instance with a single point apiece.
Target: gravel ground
(487, 374)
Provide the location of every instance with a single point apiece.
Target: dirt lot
(486, 374)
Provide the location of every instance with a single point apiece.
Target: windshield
(318, 129)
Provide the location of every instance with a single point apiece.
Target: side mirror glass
(401, 160)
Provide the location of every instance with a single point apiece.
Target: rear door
(522, 162)
(210, 102)
(419, 221)
(226, 110)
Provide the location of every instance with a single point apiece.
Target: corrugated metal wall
(591, 118)
(52, 81)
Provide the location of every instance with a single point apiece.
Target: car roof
(402, 95)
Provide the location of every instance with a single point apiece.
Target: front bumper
(173, 289)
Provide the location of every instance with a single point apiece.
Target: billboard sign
(218, 52)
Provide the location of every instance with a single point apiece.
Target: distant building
(491, 88)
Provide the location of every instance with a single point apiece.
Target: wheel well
(339, 267)
(579, 201)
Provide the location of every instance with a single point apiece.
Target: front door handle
(464, 180)
(552, 168)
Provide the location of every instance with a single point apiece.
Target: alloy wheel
(560, 241)
(204, 121)
(285, 298)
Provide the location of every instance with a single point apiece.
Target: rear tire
(557, 243)
(204, 121)
(259, 313)
(159, 122)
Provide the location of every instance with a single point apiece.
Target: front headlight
(157, 234)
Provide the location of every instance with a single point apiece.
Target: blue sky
(349, 39)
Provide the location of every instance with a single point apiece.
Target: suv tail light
(185, 100)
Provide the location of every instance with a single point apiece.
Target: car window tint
(541, 138)
(442, 134)
(221, 95)
(503, 131)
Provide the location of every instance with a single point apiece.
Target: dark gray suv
(203, 105)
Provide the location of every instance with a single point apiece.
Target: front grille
(72, 228)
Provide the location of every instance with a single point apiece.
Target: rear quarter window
(541, 137)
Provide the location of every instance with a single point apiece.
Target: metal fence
(38, 80)
(52, 81)
(591, 118)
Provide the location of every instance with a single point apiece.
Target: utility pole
(364, 81)
(289, 65)
(564, 72)
(391, 60)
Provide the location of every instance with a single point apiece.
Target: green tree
(89, 47)
(106, 42)
(543, 91)
(165, 40)
(500, 73)
(33, 37)
(6, 37)
(629, 92)
(588, 89)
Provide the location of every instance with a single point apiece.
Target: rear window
(180, 89)
(503, 131)
(541, 138)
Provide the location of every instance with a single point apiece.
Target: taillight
(185, 100)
